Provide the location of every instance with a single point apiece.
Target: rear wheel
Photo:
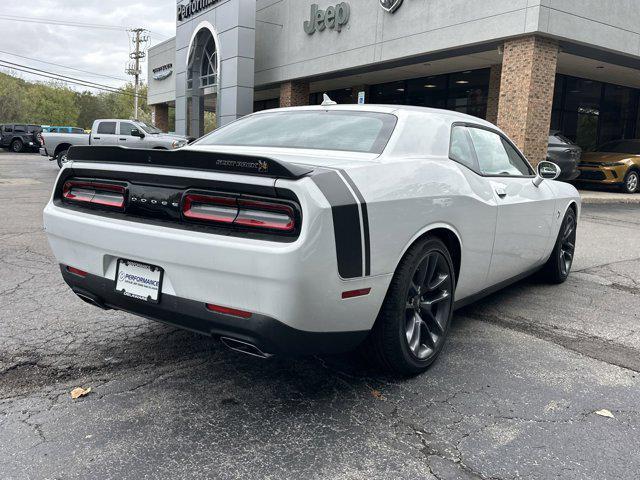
(17, 145)
(61, 158)
(631, 181)
(558, 267)
(413, 323)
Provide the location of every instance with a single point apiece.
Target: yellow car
(615, 163)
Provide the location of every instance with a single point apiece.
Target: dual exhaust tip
(231, 343)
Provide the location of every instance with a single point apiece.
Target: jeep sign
(333, 17)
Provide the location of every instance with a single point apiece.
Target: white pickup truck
(126, 133)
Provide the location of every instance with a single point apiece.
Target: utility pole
(134, 67)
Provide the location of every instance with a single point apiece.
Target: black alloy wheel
(558, 267)
(428, 305)
(414, 320)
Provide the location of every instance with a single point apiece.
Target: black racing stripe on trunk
(346, 223)
(365, 223)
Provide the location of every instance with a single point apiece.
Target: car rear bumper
(296, 284)
(267, 334)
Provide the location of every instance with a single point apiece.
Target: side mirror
(546, 170)
(136, 133)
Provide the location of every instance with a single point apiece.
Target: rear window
(621, 146)
(107, 128)
(318, 129)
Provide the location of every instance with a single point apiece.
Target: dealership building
(527, 65)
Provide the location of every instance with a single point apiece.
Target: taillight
(240, 211)
(210, 208)
(94, 193)
(263, 214)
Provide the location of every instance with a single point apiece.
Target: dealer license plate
(139, 280)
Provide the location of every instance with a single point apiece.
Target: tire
(631, 181)
(558, 267)
(414, 320)
(61, 158)
(17, 146)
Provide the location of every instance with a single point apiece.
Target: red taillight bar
(210, 208)
(261, 214)
(228, 311)
(356, 293)
(76, 271)
(96, 193)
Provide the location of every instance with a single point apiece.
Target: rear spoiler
(190, 160)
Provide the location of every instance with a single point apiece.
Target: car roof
(450, 115)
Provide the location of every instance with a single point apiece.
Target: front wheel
(61, 158)
(413, 323)
(558, 267)
(631, 182)
(17, 145)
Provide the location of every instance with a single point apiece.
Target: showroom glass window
(464, 92)
(591, 113)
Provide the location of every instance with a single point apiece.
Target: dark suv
(19, 137)
(564, 153)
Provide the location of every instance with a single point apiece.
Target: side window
(461, 149)
(107, 128)
(125, 128)
(493, 156)
(8, 128)
(516, 159)
(20, 128)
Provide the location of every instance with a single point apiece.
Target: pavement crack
(588, 345)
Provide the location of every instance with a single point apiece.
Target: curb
(626, 199)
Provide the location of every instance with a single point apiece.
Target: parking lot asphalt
(513, 395)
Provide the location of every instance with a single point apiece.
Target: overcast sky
(97, 50)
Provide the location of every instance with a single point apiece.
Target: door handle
(501, 192)
(96, 138)
(123, 139)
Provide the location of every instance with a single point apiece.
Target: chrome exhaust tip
(244, 347)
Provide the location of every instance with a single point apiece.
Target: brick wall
(294, 93)
(493, 96)
(526, 93)
(162, 116)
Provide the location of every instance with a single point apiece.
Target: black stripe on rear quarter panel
(346, 222)
(365, 222)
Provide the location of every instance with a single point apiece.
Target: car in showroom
(564, 153)
(613, 164)
(313, 229)
(19, 137)
(130, 133)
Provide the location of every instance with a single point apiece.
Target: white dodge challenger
(313, 229)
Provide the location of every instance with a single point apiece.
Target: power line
(67, 23)
(59, 75)
(64, 66)
(80, 82)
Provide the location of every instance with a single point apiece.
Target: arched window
(209, 68)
